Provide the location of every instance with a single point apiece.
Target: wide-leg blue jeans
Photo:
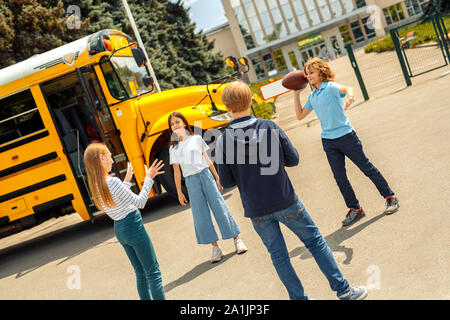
(203, 191)
(131, 233)
(297, 219)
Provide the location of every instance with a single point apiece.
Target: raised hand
(130, 172)
(153, 171)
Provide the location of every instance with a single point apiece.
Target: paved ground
(403, 256)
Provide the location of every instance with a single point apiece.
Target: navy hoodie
(252, 153)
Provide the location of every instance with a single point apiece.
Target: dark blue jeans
(297, 219)
(350, 146)
(131, 233)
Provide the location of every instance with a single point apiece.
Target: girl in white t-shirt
(188, 151)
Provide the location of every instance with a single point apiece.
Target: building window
(368, 28)
(245, 30)
(266, 21)
(335, 43)
(394, 13)
(271, 70)
(279, 59)
(336, 8)
(414, 7)
(258, 68)
(345, 34)
(277, 18)
(19, 116)
(301, 16)
(289, 16)
(254, 22)
(348, 5)
(312, 11)
(360, 3)
(324, 10)
(247, 36)
(357, 32)
(293, 59)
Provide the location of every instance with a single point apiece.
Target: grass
(424, 34)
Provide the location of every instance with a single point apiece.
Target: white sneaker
(217, 254)
(240, 246)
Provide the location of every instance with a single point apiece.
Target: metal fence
(419, 46)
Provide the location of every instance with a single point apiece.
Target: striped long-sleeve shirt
(126, 200)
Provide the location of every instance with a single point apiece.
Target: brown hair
(324, 69)
(173, 136)
(97, 176)
(237, 96)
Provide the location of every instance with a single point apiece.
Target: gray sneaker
(217, 254)
(392, 205)
(353, 216)
(355, 293)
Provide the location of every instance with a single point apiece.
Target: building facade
(279, 35)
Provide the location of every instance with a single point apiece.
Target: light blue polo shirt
(328, 105)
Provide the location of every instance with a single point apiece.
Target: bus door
(80, 113)
(104, 120)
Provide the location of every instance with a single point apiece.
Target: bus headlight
(221, 117)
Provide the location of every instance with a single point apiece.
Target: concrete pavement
(405, 134)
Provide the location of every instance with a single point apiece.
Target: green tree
(179, 56)
(28, 28)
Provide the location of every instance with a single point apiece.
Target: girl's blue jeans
(350, 146)
(131, 233)
(203, 195)
(297, 219)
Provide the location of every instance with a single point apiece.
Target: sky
(206, 14)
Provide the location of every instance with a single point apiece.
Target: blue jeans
(297, 219)
(203, 191)
(131, 233)
(349, 145)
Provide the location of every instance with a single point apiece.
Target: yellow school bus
(53, 105)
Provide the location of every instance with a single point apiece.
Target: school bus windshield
(124, 77)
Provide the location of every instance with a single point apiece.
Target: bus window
(130, 75)
(114, 85)
(19, 116)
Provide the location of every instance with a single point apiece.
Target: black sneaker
(353, 216)
(392, 205)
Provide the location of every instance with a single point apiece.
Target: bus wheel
(167, 178)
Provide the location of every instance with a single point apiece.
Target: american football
(295, 80)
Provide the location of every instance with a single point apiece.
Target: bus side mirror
(148, 81)
(139, 57)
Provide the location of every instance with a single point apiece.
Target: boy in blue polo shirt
(339, 138)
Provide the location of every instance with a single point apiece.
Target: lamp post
(141, 44)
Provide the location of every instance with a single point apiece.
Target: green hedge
(424, 34)
(265, 109)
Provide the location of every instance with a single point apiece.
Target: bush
(424, 34)
(264, 109)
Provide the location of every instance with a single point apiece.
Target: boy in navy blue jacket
(252, 154)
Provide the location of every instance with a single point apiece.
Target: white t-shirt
(189, 155)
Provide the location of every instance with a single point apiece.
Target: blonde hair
(97, 176)
(324, 69)
(237, 96)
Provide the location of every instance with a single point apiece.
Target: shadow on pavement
(68, 242)
(195, 272)
(335, 239)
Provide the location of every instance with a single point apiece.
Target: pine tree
(28, 28)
